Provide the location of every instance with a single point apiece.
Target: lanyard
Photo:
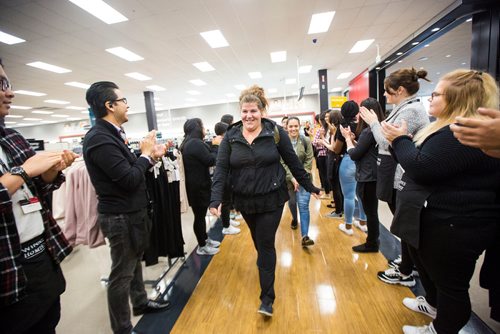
(29, 183)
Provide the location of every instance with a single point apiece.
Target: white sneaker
(234, 223)
(207, 250)
(230, 230)
(419, 329)
(363, 228)
(346, 230)
(421, 305)
(212, 243)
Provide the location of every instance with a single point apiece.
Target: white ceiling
(167, 34)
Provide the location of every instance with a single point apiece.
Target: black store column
(376, 86)
(485, 49)
(149, 99)
(323, 90)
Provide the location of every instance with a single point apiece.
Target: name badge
(30, 205)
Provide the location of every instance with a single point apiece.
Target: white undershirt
(28, 225)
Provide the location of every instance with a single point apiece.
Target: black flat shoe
(293, 225)
(364, 248)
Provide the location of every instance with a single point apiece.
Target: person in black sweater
(364, 154)
(252, 149)
(118, 178)
(198, 157)
(448, 208)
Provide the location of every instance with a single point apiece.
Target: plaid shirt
(320, 148)
(12, 278)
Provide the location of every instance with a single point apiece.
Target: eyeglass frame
(5, 84)
(435, 94)
(123, 99)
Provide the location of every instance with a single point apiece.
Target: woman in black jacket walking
(251, 150)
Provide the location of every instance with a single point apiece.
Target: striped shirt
(12, 278)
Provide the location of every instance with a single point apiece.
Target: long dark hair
(193, 128)
(373, 104)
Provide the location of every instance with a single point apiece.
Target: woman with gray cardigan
(401, 88)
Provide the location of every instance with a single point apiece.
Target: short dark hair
(227, 118)
(220, 128)
(100, 93)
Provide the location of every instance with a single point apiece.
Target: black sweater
(466, 181)
(257, 176)
(116, 173)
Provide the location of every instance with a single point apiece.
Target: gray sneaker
(212, 243)
(206, 250)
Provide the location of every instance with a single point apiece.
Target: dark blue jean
(301, 200)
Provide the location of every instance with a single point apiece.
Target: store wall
(358, 87)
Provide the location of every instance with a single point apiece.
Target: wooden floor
(324, 289)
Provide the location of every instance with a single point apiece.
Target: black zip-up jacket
(116, 173)
(257, 176)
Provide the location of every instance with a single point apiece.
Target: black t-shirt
(340, 137)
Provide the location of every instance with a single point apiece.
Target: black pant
(263, 227)
(199, 224)
(367, 193)
(40, 310)
(446, 258)
(322, 171)
(406, 266)
(333, 169)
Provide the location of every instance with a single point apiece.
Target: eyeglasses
(5, 85)
(434, 94)
(124, 100)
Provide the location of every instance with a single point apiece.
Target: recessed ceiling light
(156, 88)
(290, 81)
(336, 89)
(42, 112)
(75, 108)
(198, 82)
(415, 43)
(30, 93)
(59, 116)
(20, 107)
(31, 119)
(10, 39)
(124, 53)
(10, 123)
(101, 10)
(77, 84)
(377, 68)
(344, 75)
(74, 118)
(468, 20)
(204, 66)
(272, 90)
(85, 112)
(193, 92)
(435, 29)
(426, 45)
(24, 124)
(315, 86)
(255, 75)
(361, 46)
(464, 63)
(400, 61)
(48, 67)
(305, 69)
(240, 87)
(399, 53)
(387, 61)
(57, 101)
(278, 56)
(138, 76)
(214, 38)
(423, 58)
(448, 56)
(14, 116)
(320, 22)
(48, 122)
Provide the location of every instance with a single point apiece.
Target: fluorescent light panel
(278, 56)
(10, 123)
(198, 82)
(156, 88)
(305, 69)
(124, 53)
(320, 22)
(190, 99)
(193, 92)
(204, 66)
(57, 102)
(101, 10)
(290, 81)
(77, 84)
(344, 75)
(59, 116)
(74, 118)
(361, 46)
(75, 108)
(138, 76)
(20, 107)
(48, 122)
(42, 112)
(30, 93)
(214, 38)
(31, 119)
(14, 116)
(49, 67)
(255, 75)
(10, 39)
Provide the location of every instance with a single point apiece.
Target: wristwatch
(18, 170)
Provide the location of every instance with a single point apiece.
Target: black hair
(293, 118)
(335, 117)
(349, 110)
(322, 120)
(220, 128)
(370, 104)
(193, 128)
(227, 118)
(316, 118)
(98, 94)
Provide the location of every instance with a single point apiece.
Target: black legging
(263, 227)
(322, 170)
(200, 225)
(406, 266)
(338, 197)
(367, 193)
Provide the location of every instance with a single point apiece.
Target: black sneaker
(151, 307)
(365, 248)
(294, 225)
(266, 310)
(393, 276)
(306, 241)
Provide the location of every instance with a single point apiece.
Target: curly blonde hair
(465, 91)
(255, 94)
